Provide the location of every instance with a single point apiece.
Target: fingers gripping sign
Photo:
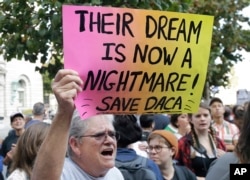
(66, 85)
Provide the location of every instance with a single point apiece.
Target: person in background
(38, 113)
(228, 114)
(179, 125)
(26, 150)
(238, 113)
(17, 123)
(245, 105)
(161, 121)
(225, 130)
(172, 127)
(220, 169)
(147, 126)
(238, 121)
(27, 118)
(201, 146)
(163, 146)
(91, 142)
(130, 132)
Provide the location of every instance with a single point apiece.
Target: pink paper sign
(136, 61)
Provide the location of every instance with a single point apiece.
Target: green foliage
(33, 30)
(228, 36)
(46, 83)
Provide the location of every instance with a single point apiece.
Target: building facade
(20, 86)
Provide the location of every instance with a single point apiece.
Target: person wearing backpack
(132, 166)
(162, 147)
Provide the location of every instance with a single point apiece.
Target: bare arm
(50, 158)
(9, 156)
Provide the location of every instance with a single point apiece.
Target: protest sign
(136, 61)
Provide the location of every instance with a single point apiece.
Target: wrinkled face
(201, 120)
(18, 123)
(159, 151)
(96, 152)
(217, 110)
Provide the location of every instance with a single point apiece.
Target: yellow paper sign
(136, 61)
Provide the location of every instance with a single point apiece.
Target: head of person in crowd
(162, 143)
(217, 109)
(17, 121)
(238, 112)
(161, 121)
(228, 114)
(96, 136)
(242, 148)
(162, 148)
(27, 147)
(147, 123)
(27, 118)
(245, 105)
(128, 129)
(181, 122)
(201, 123)
(236, 107)
(38, 111)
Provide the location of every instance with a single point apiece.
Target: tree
(33, 30)
(229, 38)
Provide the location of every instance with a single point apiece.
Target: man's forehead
(102, 117)
(100, 122)
(216, 103)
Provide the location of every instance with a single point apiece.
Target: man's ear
(74, 143)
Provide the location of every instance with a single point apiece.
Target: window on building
(21, 93)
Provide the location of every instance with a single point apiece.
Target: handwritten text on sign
(136, 61)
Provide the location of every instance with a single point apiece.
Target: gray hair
(79, 126)
(38, 109)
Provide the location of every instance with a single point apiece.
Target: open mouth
(107, 152)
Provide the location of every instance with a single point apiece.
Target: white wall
(17, 70)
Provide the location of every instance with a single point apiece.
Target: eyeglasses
(101, 136)
(157, 148)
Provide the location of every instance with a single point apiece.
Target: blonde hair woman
(26, 150)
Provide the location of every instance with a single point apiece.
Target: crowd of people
(200, 145)
(14, 152)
